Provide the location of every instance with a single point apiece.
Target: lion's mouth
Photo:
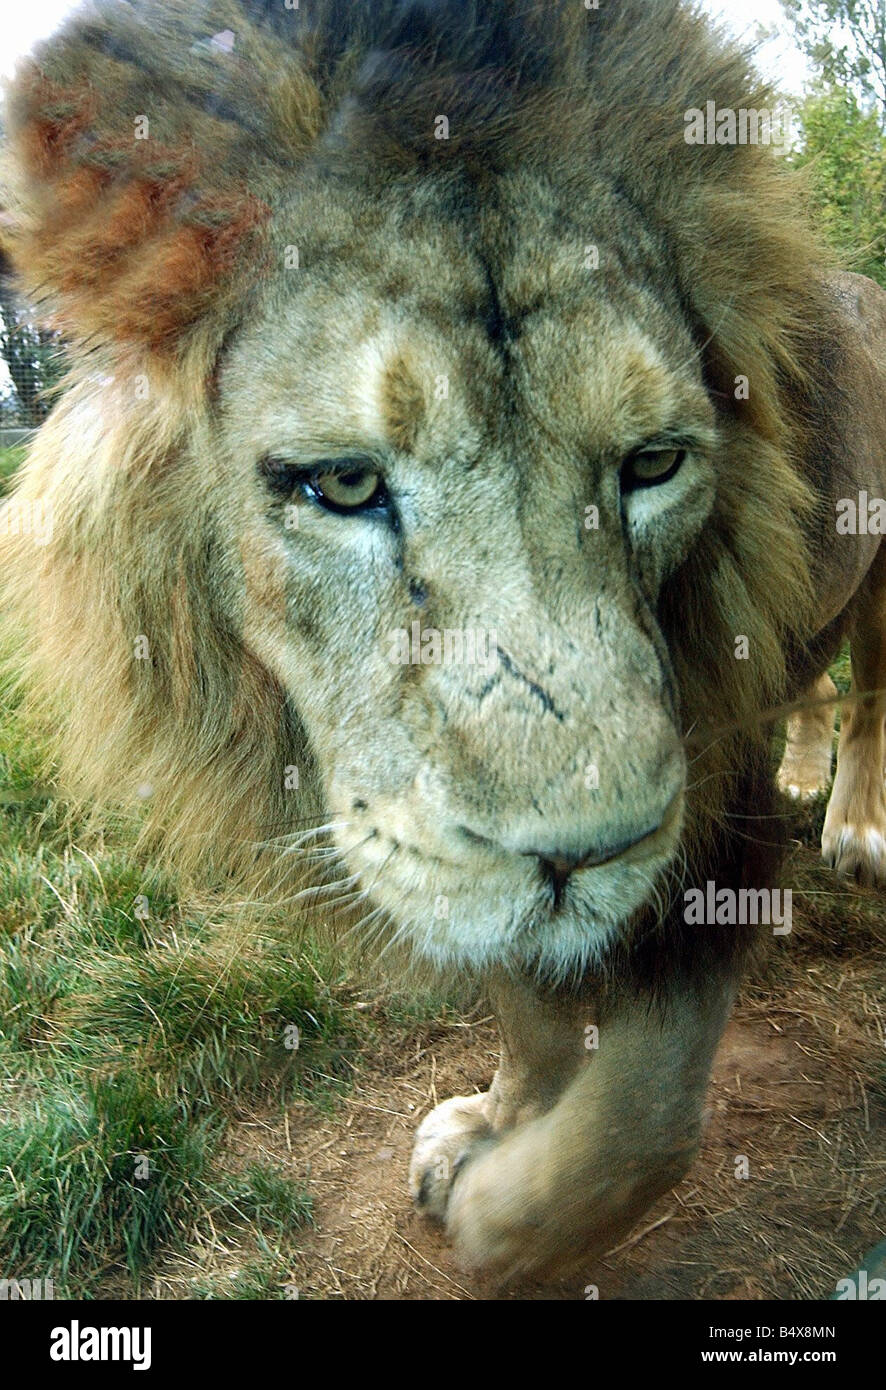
(557, 872)
(556, 879)
(552, 890)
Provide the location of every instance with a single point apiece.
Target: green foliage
(843, 120)
(846, 42)
(844, 153)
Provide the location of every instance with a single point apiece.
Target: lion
(443, 505)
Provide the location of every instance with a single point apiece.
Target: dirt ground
(368, 1243)
(798, 1088)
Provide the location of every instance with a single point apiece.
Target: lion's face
(415, 438)
(461, 485)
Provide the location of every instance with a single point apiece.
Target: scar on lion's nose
(513, 670)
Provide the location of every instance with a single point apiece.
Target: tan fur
(854, 834)
(442, 324)
(805, 770)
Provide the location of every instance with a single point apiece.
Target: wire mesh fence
(31, 365)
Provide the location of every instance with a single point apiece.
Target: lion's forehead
(440, 368)
(420, 313)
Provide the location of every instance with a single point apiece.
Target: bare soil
(799, 1089)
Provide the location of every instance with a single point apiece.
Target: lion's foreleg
(805, 769)
(573, 1178)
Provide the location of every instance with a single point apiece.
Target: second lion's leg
(854, 836)
(806, 766)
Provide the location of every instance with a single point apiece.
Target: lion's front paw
(803, 784)
(856, 850)
(488, 1228)
(445, 1140)
(461, 1175)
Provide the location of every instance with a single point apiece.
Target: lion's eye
(340, 485)
(352, 488)
(651, 468)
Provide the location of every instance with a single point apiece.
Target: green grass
(10, 459)
(128, 1042)
(267, 1195)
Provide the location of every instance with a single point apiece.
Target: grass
(128, 1041)
(10, 458)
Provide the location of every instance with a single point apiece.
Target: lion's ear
(146, 145)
